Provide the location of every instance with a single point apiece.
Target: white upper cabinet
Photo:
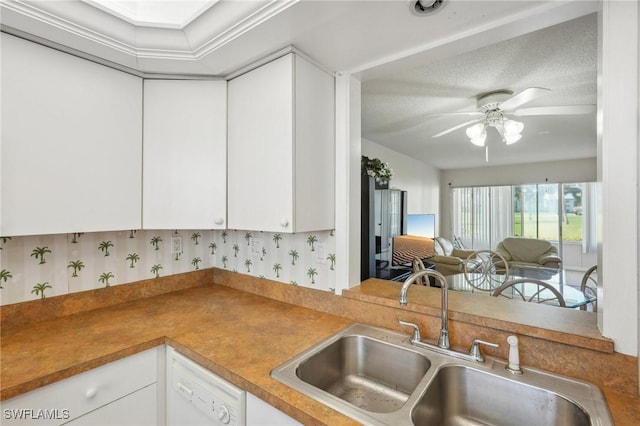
(71, 145)
(185, 164)
(281, 148)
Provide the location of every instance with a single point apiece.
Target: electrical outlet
(176, 244)
(256, 246)
(321, 252)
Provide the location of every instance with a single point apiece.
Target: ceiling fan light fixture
(511, 139)
(480, 139)
(512, 127)
(476, 130)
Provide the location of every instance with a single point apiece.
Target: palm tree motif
(155, 242)
(312, 274)
(195, 261)
(294, 256)
(224, 236)
(195, 237)
(236, 249)
(247, 237)
(4, 276)
(276, 239)
(248, 264)
(104, 278)
(155, 269)
(332, 259)
(277, 268)
(75, 237)
(224, 261)
(39, 252)
(332, 290)
(104, 246)
(264, 253)
(5, 239)
(311, 241)
(295, 283)
(132, 233)
(133, 258)
(77, 265)
(40, 288)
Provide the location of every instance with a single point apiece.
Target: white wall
(420, 180)
(618, 122)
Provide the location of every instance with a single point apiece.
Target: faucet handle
(475, 349)
(416, 336)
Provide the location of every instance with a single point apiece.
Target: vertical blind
(482, 216)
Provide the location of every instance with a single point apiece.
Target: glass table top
(558, 278)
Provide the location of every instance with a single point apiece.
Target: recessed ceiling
(150, 13)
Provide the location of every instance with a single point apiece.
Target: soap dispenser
(514, 356)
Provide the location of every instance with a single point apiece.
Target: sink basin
(372, 375)
(378, 377)
(461, 395)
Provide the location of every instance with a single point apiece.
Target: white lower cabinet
(119, 393)
(133, 392)
(135, 409)
(259, 413)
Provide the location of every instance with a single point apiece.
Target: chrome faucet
(443, 341)
(444, 345)
(474, 353)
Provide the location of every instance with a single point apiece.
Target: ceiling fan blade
(411, 122)
(454, 128)
(555, 110)
(527, 95)
(468, 113)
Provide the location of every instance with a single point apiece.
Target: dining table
(483, 283)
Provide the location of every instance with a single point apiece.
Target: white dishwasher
(196, 396)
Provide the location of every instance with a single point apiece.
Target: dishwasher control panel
(197, 396)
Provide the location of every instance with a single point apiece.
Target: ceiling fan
(495, 108)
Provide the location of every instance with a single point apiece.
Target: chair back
(417, 265)
(589, 286)
(530, 290)
(486, 270)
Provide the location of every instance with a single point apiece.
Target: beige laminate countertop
(237, 335)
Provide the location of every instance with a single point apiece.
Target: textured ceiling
(561, 58)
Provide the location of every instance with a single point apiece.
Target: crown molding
(81, 26)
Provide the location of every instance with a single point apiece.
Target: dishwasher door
(196, 396)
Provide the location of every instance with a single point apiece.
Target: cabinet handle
(219, 221)
(90, 393)
(284, 222)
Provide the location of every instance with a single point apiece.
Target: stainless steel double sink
(378, 377)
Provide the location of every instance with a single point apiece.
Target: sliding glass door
(561, 213)
(536, 211)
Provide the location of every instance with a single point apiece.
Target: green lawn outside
(548, 227)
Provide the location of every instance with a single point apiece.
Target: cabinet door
(259, 413)
(71, 155)
(260, 148)
(185, 138)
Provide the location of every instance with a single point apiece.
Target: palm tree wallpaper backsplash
(36, 267)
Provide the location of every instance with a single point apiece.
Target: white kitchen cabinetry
(259, 413)
(281, 148)
(122, 392)
(185, 163)
(71, 153)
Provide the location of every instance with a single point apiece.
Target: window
(483, 216)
